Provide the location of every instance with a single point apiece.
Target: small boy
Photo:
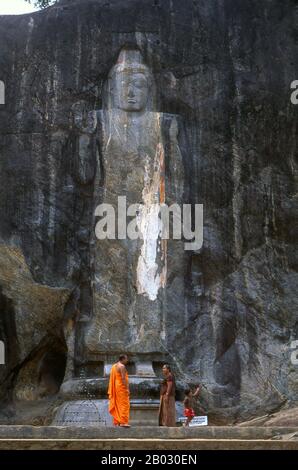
(188, 404)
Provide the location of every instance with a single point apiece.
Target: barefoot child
(188, 404)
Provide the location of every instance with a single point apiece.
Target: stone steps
(148, 438)
(146, 444)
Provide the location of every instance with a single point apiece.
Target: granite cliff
(225, 68)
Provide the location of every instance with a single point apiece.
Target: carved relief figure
(130, 276)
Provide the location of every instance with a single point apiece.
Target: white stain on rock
(151, 268)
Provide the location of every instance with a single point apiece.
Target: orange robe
(119, 397)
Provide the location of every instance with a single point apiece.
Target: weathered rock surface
(281, 418)
(225, 68)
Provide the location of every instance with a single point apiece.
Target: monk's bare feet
(124, 425)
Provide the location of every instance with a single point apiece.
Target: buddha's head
(130, 82)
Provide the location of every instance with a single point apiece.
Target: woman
(167, 411)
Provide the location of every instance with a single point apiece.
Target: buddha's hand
(85, 121)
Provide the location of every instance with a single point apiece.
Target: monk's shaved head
(123, 358)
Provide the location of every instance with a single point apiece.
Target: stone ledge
(102, 433)
(146, 444)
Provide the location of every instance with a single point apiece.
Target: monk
(119, 393)
(167, 410)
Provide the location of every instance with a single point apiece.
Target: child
(188, 404)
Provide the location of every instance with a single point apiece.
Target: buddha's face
(132, 91)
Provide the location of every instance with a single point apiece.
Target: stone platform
(95, 413)
(148, 438)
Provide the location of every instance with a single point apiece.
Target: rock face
(222, 71)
